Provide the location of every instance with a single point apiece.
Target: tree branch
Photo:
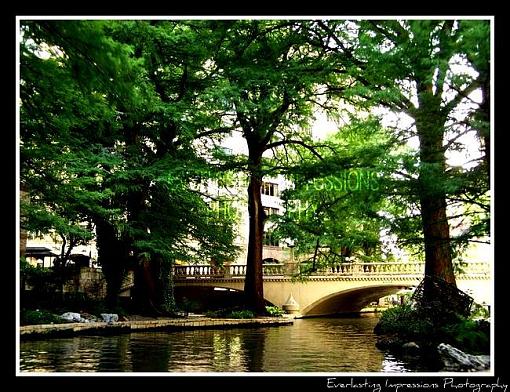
(214, 131)
(461, 94)
(299, 142)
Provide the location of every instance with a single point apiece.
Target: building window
(269, 188)
(271, 211)
(269, 239)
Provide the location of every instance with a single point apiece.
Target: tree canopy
(121, 120)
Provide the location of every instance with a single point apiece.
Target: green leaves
(333, 210)
(120, 121)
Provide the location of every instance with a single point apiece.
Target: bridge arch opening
(349, 301)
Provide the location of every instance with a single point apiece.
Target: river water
(310, 345)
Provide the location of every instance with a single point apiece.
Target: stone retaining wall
(92, 282)
(71, 329)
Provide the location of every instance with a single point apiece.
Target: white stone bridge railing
(228, 271)
(345, 269)
(375, 269)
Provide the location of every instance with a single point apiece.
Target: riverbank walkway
(100, 328)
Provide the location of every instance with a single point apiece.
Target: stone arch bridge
(344, 288)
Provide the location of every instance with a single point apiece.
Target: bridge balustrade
(233, 270)
(474, 268)
(345, 269)
(273, 269)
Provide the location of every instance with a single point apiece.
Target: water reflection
(310, 345)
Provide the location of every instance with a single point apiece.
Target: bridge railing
(473, 268)
(345, 269)
(395, 268)
(227, 271)
(374, 269)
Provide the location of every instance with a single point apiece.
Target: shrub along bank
(408, 330)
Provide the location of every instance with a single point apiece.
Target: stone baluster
(237, 270)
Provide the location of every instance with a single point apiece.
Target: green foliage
(472, 336)
(33, 317)
(429, 53)
(120, 123)
(108, 121)
(275, 311)
(241, 314)
(469, 336)
(479, 312)
(334, 210)
(43, 281)
(231, 313)
(405, 321)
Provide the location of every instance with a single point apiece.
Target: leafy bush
(33, 317)
(479, 312)
(469, 335)
(42, 280)
(274, 311)
(405, 321)
(231, 313)
(241, 314)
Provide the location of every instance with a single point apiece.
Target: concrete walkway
(99, 328)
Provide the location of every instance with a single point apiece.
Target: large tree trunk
(23, 235)
(154, 287)
(166, 287)
(436, 232)
(438, 260)
(253, 286)
(111, 257)
(485, 117)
